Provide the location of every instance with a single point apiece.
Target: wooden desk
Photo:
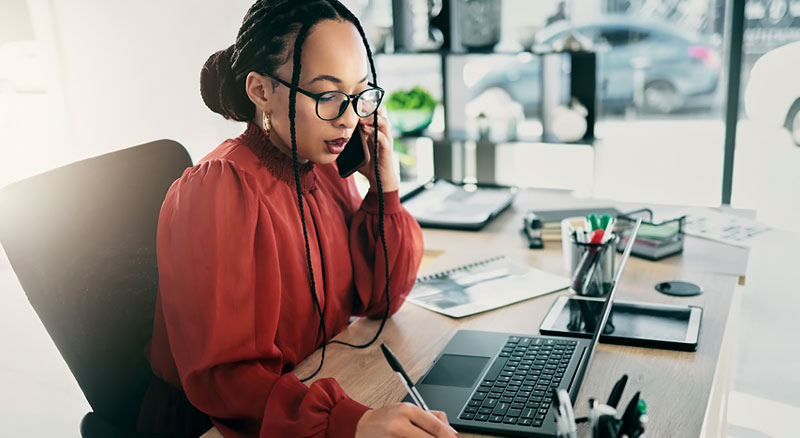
(676, 385)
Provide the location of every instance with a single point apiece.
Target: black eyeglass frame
(352, 98)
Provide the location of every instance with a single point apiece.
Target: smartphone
(353, 156)
(671, 327)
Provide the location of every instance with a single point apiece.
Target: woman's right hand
(404, 420)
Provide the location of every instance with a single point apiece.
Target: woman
(265, 251)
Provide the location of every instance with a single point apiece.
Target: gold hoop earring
(267, 123)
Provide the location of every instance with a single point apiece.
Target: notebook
(483, 285)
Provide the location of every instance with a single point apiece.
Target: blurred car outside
(677, 68)
(772, 94)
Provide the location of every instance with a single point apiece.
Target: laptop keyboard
(517, 389)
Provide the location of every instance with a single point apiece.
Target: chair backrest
(82, 242)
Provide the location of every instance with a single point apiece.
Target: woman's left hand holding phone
(386, 143)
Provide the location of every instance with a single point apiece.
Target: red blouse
(234, 313)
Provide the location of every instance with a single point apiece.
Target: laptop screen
(610, 298)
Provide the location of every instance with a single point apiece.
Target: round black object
(679, 288)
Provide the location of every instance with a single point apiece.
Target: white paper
(483, 286)
(722, 227)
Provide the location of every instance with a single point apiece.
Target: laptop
(443, 204)
(502, 382)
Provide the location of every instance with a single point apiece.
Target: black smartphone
(353, 156)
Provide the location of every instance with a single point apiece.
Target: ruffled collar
(277, 163)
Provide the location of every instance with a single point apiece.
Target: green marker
(594, 221)
(604, 220)
(642, 406)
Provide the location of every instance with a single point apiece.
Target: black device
(630, 323)
(353, 156)
(679, 288)
(492, 382)
(532, 229)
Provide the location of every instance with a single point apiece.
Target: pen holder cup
(592, 267)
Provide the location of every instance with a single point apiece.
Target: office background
(82, 78)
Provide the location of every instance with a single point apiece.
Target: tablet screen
(578, 317)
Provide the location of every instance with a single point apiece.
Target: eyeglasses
(332, 104)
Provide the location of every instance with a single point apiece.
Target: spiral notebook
(483, 285)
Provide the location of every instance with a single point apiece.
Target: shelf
(460, 139)
(492, 52)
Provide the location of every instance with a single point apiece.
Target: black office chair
(82, 241)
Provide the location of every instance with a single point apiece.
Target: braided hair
(262, 46)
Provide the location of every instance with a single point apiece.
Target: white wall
(130, 70)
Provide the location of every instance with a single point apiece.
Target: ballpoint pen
(412, 390)
(608, 229)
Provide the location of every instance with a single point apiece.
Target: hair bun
(221, 90)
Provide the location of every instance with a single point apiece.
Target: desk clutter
(551, 219)
(656, 240)
(602, 418)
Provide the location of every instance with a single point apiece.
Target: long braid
(257, 14)
(255, 25)
(252, 35)
(345, 13)
(298, 47)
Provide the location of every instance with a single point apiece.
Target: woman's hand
(386, 143)
(404, 420)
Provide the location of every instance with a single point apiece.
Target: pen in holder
(592, 266)
(603, 417)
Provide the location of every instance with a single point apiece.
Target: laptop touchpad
(456, 370)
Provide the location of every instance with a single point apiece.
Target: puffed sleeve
(221, 297)
(404, 246)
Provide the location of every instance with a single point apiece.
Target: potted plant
(411, 111)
